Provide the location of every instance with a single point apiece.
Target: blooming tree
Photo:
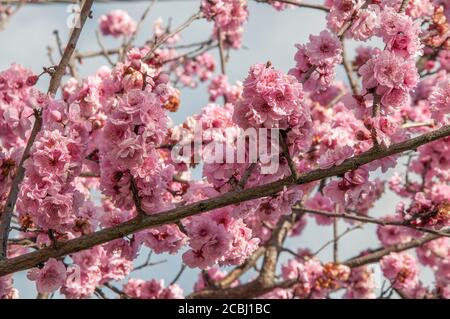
(323, 146)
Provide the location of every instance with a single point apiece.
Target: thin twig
(100, 293)
(223, 61)
(103, 49)
(287, 155)
(53, 87)
(116, 290)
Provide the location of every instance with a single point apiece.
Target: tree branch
(32, 259)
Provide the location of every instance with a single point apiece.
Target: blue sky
(269, 35)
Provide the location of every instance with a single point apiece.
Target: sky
(269, 36)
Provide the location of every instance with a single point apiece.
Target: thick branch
(172, 216)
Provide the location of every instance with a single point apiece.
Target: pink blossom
(105, 154)
(202, 66)
(219, 86)
(388, 69)
(243, 244)
(443, 276)
(392, 76)
(364, 54)
(80, 283)
(51, 277)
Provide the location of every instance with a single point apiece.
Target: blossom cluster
(218, 238)
(108, 153)
(316, 61)
(152, 289)
(229, 17)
